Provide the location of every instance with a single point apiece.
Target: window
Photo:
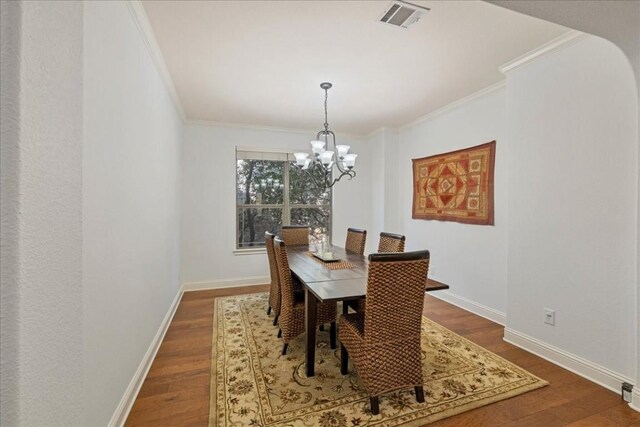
(270, 192)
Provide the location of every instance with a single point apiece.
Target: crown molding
(454, 104)
(144, 26)
(563, 41)
(211, 123)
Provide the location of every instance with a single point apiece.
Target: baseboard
(635, 398)
(579, 366)
(126, 403)
(227, 283)
(471, 306)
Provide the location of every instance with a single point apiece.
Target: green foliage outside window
(271, 193)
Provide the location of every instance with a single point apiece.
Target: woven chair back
(284, 275)
(395, 296)
(356, 240)
(295, 235)
(274, 293)
(390, 242)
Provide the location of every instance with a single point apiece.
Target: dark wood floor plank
(176, 390)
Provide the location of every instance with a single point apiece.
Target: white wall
(42, 200)
(618, 22)
(131, 205)
(10, 23)
(376, 147)
(572, 226)
(385, 212)
(209, 174)
(469, 258)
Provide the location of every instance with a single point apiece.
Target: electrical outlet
(627, 389)
(549, 317)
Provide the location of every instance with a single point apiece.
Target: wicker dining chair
(274, 291)
(384, 339)
(390, 242)
(295, 235)
(292, 315)
(356, 240)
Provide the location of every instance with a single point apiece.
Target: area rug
(252, 384)
(455, 186)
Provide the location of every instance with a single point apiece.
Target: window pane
(260, 182)
(253, 222)
(303, 190)
(316, 218)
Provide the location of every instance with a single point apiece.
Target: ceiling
(261, 62)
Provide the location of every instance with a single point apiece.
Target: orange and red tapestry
(455, 186)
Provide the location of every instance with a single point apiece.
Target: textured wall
(44, 242)
(10, 15)
(383, 151)
(480, 250)
(572, 224)
(131, 205)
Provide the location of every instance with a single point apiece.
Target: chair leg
(284, 348)
(269, 310)
(375, 407)
(279, 333)
(275, 320)
(332, 336)
(344, 360)
(321, 328)
(420, 394)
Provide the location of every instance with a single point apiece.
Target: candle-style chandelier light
(324, 158)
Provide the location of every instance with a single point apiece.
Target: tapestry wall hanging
(455, 186)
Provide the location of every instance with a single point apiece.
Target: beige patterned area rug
(252, 384)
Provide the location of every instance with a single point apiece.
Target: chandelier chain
(326, 119)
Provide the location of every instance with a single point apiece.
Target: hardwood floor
(176, 390)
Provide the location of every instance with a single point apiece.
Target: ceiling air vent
(402, 14)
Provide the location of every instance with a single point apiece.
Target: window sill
(254, 251)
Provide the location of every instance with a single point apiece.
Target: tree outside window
(270, 192)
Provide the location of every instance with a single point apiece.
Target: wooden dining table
(322, 284)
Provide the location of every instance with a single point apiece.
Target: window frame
(286, 157)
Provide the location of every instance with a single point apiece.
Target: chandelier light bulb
(350, 160)
(317, 147)
(326, 157)
(301, 158)
(342, 151)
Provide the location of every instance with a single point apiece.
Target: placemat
(335, 265)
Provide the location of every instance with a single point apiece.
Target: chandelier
(325, 158)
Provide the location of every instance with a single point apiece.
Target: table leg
(310, 308)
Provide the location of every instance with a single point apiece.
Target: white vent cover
(402, 14)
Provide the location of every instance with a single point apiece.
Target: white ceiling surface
(261, 62)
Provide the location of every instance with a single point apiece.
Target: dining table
(324, 283)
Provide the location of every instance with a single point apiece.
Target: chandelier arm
(340, 168)
(351, 174)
